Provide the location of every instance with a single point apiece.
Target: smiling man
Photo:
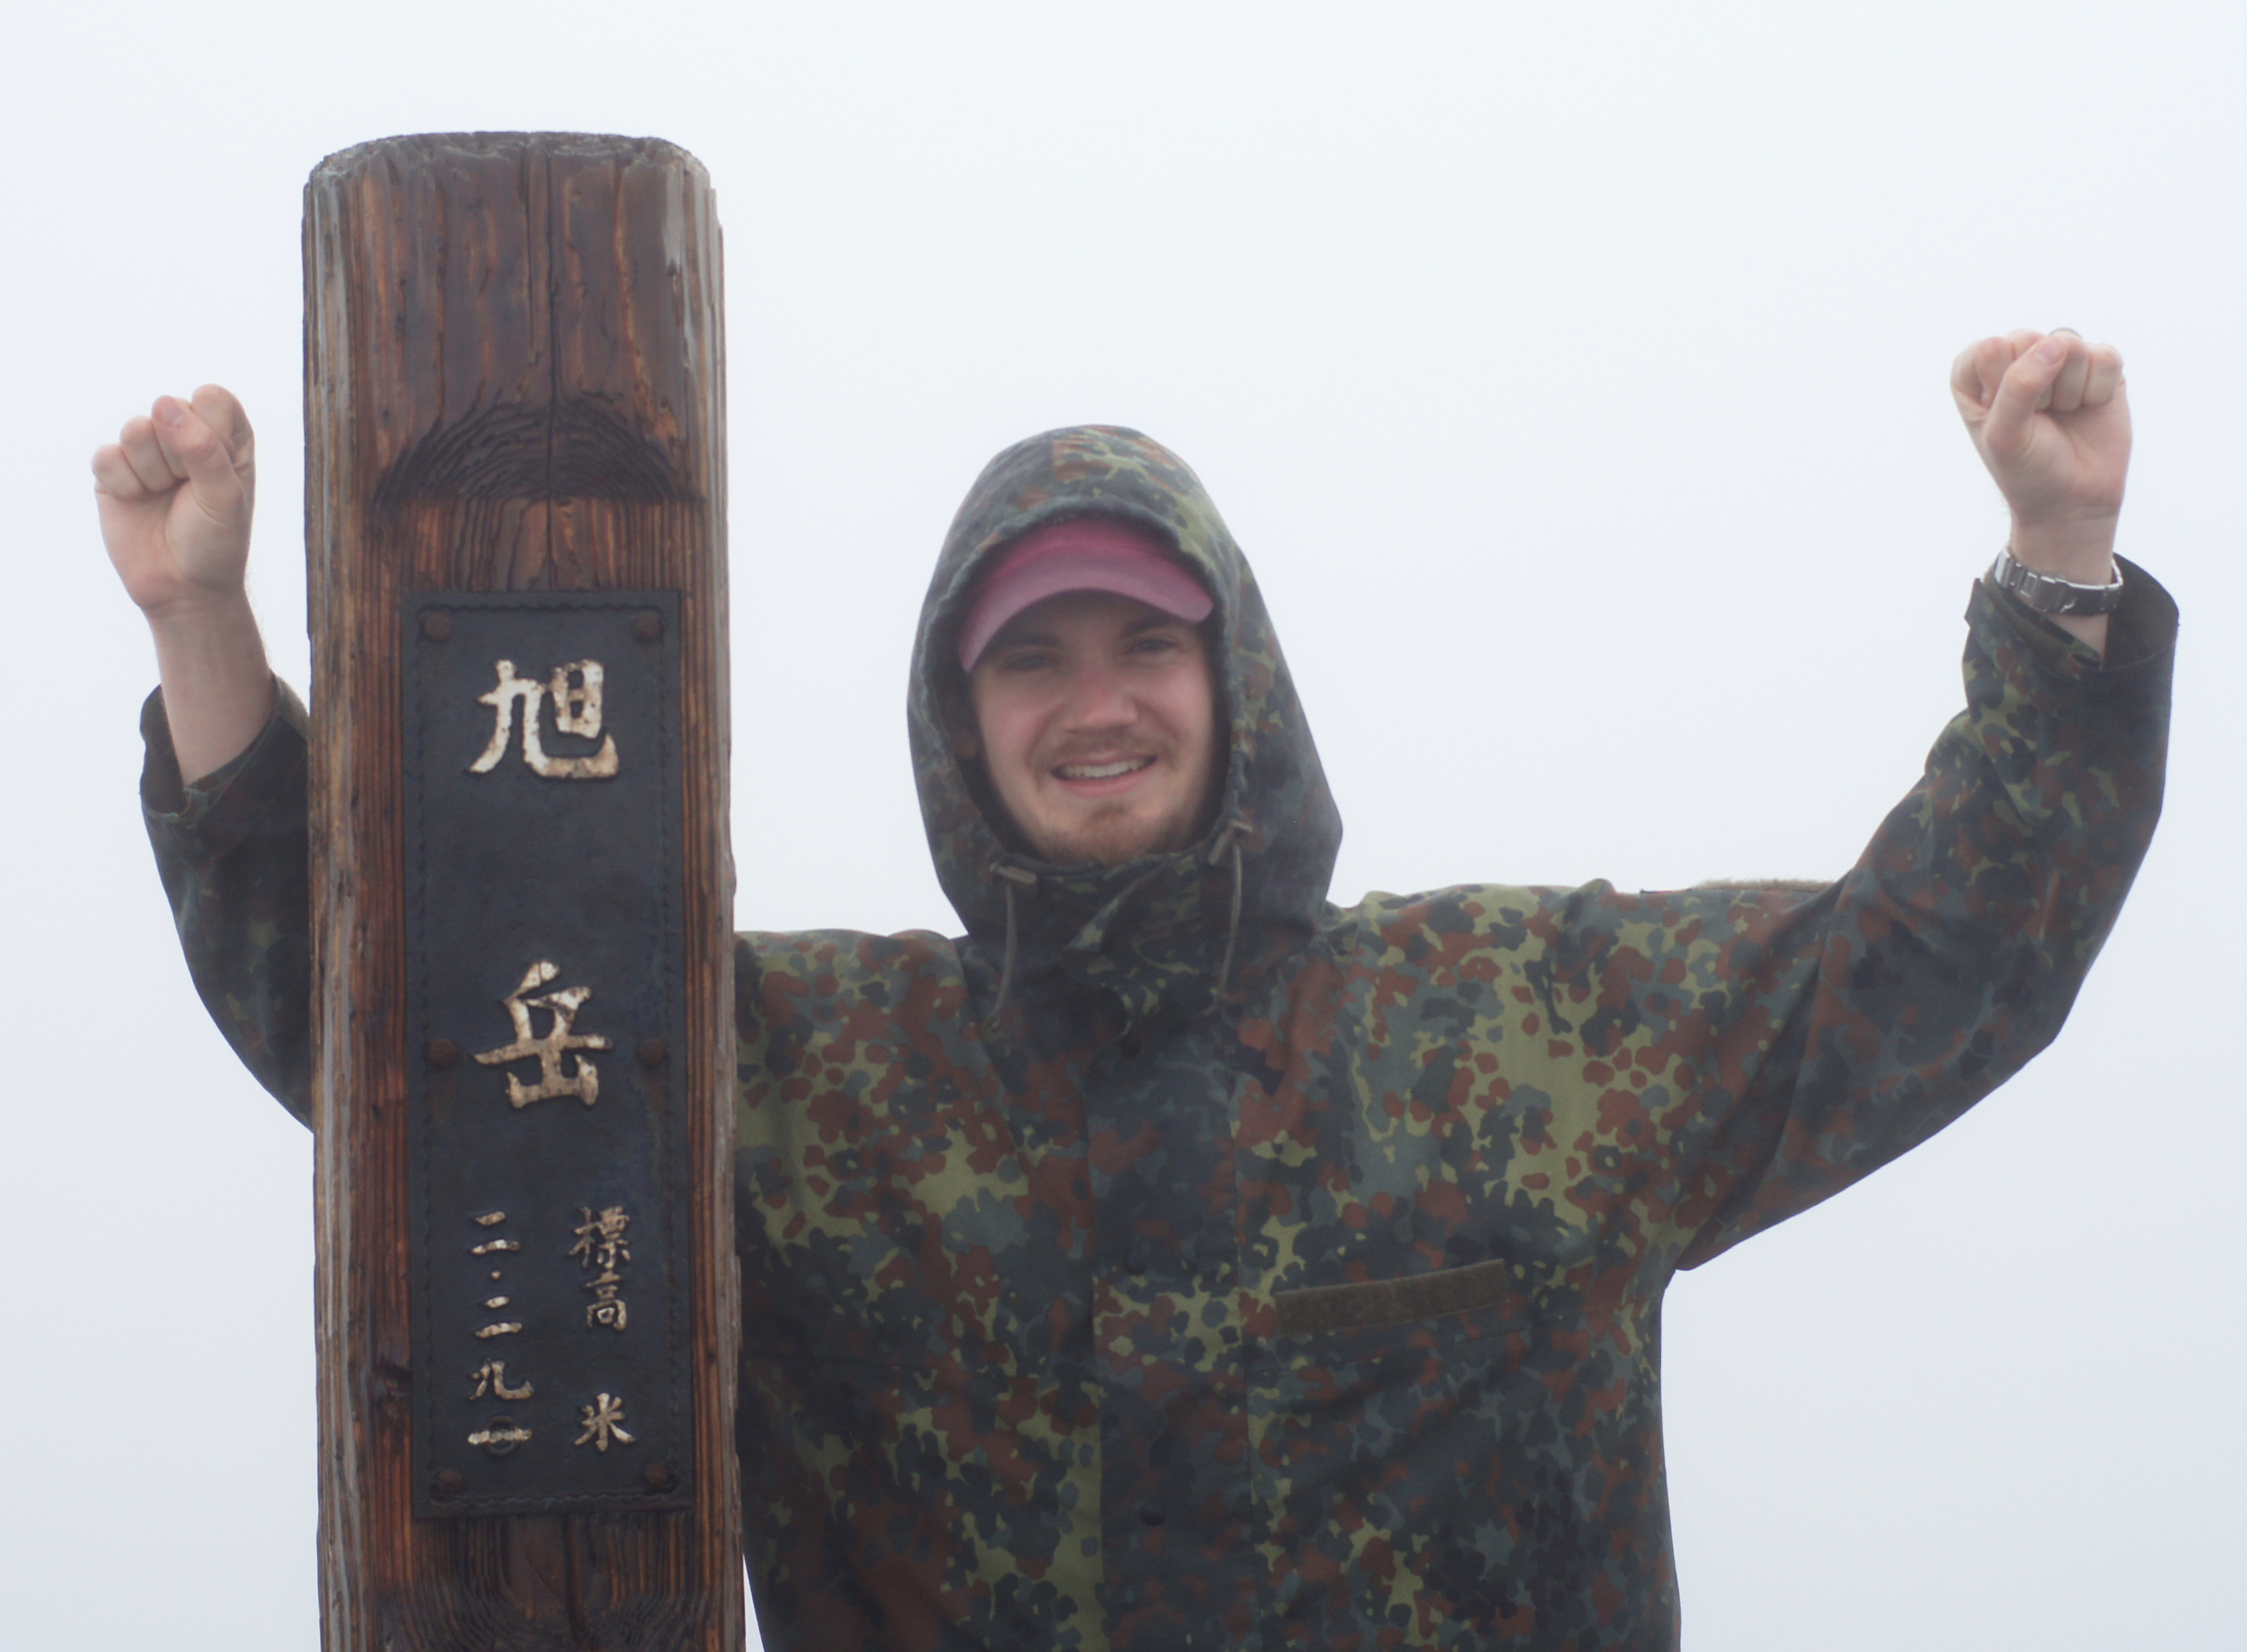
(1177, 1260)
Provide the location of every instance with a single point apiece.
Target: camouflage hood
(1156, 933)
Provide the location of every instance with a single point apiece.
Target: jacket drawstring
(1228, 837)
(1008, 876)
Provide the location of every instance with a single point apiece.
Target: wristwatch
(2050, 596)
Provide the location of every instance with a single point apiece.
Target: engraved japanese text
(574, 690)
(604, 1422)
(601, 1251)
(583, 1080)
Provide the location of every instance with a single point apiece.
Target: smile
(1114, 770)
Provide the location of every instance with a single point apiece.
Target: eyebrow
(1011, 638)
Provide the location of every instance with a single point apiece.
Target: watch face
(2049, 595)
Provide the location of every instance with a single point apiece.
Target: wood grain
(514, 381)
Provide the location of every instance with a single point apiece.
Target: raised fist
(174, 492)
(2049, 417)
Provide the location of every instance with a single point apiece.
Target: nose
(1097, 697)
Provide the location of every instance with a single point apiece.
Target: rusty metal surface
(547, 1252)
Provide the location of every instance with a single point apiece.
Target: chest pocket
(1319, 1310)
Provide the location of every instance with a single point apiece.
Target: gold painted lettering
(574, 693)
(583, 1080)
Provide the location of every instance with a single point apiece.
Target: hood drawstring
(1008, 876)
(1228, 837)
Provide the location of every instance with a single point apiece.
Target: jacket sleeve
(232, 853)
(1850, 1024)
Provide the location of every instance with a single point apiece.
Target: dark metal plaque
(545, 1048)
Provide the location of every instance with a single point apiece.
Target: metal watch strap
(2050, 596)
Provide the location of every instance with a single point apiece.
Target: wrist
(2079, 549)
(218, 688)
(184, 618)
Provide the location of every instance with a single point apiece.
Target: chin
(1110, 843)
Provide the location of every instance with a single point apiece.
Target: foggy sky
(1576, 379)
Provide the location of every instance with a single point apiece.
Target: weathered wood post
(521, 906)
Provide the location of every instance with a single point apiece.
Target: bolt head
(437, 627)
(661, 1476)
(441, 1052)
(648, 628)
(653, 1052)
(447, 1483)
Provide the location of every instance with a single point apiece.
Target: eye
(1155, 642)
(1018, 661)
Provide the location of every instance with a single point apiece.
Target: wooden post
(514, 384)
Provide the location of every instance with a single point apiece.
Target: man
(1176, 1259)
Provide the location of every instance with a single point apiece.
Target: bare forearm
(218, 688)
(2082, 552)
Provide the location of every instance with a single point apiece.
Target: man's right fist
(174, 492)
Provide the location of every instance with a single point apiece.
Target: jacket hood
(1158, 931)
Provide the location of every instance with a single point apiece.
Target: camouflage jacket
(1259, 1272)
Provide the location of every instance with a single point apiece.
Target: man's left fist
(2049, 417)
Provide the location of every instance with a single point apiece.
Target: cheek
(1192, 717)
(1008, 732)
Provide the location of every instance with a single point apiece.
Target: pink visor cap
(1088, 553)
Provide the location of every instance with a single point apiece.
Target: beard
(1110, 837)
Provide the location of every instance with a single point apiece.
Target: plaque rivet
(447, 1483)
(442, 1052)
(437, 627)
(648, 628)
(661, 1476)
(651, 1052)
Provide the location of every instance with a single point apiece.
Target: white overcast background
(1575, 377)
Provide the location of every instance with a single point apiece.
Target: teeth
(1101, 771)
